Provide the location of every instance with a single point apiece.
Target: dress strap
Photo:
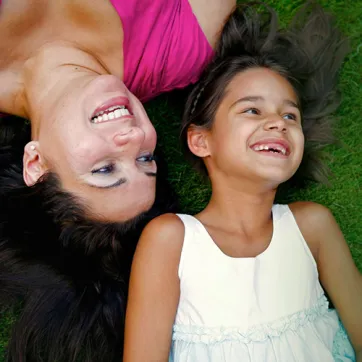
(190, 247)
(284, 214)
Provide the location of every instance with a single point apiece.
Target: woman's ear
(197, 140)
(33, 164)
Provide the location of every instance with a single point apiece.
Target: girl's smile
(277, 147)
(256, 133)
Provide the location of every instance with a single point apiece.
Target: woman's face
(99, 140)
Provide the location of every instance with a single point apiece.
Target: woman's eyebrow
(120, 182)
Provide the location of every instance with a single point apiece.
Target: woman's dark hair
(70, 273)
(309, 54)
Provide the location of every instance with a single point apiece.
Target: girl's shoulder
(165, 232)
(169, 223)
(314, 221)
(311, 214)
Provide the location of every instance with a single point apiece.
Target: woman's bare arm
(211, 15)
(154, 291)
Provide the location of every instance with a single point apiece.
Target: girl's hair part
(308, 53)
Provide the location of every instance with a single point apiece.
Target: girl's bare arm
(341, 278)
(154, 291)
(337, 270)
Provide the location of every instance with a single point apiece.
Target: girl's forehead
(259, 81)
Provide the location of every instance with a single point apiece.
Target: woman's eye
(146, 158)
(104, 170)
(252, 111)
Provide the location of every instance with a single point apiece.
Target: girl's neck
(243, 208)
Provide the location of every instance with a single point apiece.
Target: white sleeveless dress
(270, 308)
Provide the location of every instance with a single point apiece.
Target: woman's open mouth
(114, 109)
(111, 113)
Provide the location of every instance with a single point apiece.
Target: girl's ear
(197, 140)
(33, 164)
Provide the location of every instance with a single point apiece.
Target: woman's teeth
(110, 114)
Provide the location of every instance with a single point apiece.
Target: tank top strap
(196, 243)
(279, 211)
(287, 230)
(192, 227)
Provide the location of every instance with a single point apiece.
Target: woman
(69, 272)
(62, 67)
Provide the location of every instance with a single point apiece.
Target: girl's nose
(276, 123)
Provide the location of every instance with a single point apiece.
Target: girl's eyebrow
(248, 99)
(260, 98)
(291, 103)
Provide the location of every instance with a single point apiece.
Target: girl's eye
(104, 170)
(290, 116)
(252, 111)
(146, 158)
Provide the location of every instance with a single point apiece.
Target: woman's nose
(132, 135)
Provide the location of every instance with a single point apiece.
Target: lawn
(344, 194)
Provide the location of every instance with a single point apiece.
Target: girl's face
(257, 132)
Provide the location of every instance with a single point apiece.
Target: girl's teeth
(266, 148)
(118, 113)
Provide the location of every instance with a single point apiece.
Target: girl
(242, 280)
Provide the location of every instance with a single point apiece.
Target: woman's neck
(54, 66)
(38, 39)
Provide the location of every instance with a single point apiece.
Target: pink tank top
(164, 46)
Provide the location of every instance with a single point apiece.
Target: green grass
(343, 197)
(5, 324)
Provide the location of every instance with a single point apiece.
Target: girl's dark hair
(70, 273)
(309, 54)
